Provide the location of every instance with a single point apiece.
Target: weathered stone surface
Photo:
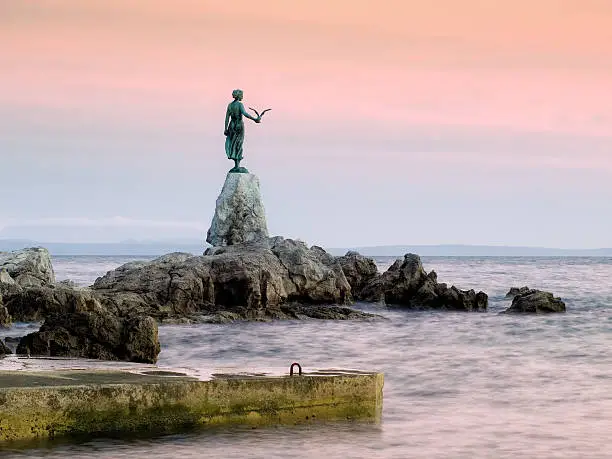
(5, 317)
(314, 276)
(359, 271)
(516, 291)
(95, 334)
(239, 213)
(67, 283)
(4, 350)
(8, 286)
(51, 404)
(535, 302)
(250, 280)
(6, 282)
(5, 277)
(407, 284)
(36, 303)
(29, 267)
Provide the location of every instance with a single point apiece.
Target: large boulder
(359, 271)
(407, 284)
(535, 302)
(313, 275)
(36, 303)
(28, 267)
(95, 334)
(239, 213)
(251, 280)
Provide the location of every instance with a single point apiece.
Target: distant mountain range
(152, 248)
(474, 251)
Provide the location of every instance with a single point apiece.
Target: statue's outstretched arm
(247, 115)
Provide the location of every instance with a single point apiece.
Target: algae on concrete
(74, 402)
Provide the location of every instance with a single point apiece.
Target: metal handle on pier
(299, 368)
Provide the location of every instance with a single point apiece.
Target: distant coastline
(153, 248)
(457, 250)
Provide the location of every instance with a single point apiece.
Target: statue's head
(237, 94)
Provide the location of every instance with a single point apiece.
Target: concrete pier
(52, 403)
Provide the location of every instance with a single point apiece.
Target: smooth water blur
(457, 385)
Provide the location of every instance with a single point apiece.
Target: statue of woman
(234, 129)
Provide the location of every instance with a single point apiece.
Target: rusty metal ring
(299, 369)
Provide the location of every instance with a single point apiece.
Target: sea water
(457, 385)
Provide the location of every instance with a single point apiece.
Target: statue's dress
(235, 133)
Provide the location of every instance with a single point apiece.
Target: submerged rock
(239, 213)
(28, 267)
(296, 311)
(406, 283)
(95, 334)
(535, 302)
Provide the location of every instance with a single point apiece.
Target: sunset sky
(392, 122)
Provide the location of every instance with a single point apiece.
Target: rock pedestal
(239, 213)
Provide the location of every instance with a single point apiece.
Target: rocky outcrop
(36, 303)
(81, 323)
(251, 281)
(359, 272)
(313, 275)
(278, 278)
(28, 267)
(95, 334)
(407, 284)
(239, 213)
(516, 291)
(535, 302)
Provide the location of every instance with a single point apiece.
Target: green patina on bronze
(77, 402)
(234, 129)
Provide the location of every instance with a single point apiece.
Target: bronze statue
(234, 129)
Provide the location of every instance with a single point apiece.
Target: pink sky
(523, 64)
(378, 69)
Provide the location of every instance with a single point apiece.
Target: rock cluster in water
(531, 301)
(116, 317)
(245, 276)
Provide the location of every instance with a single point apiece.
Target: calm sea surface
(456, 385)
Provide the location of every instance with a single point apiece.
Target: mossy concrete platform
(48, 404)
